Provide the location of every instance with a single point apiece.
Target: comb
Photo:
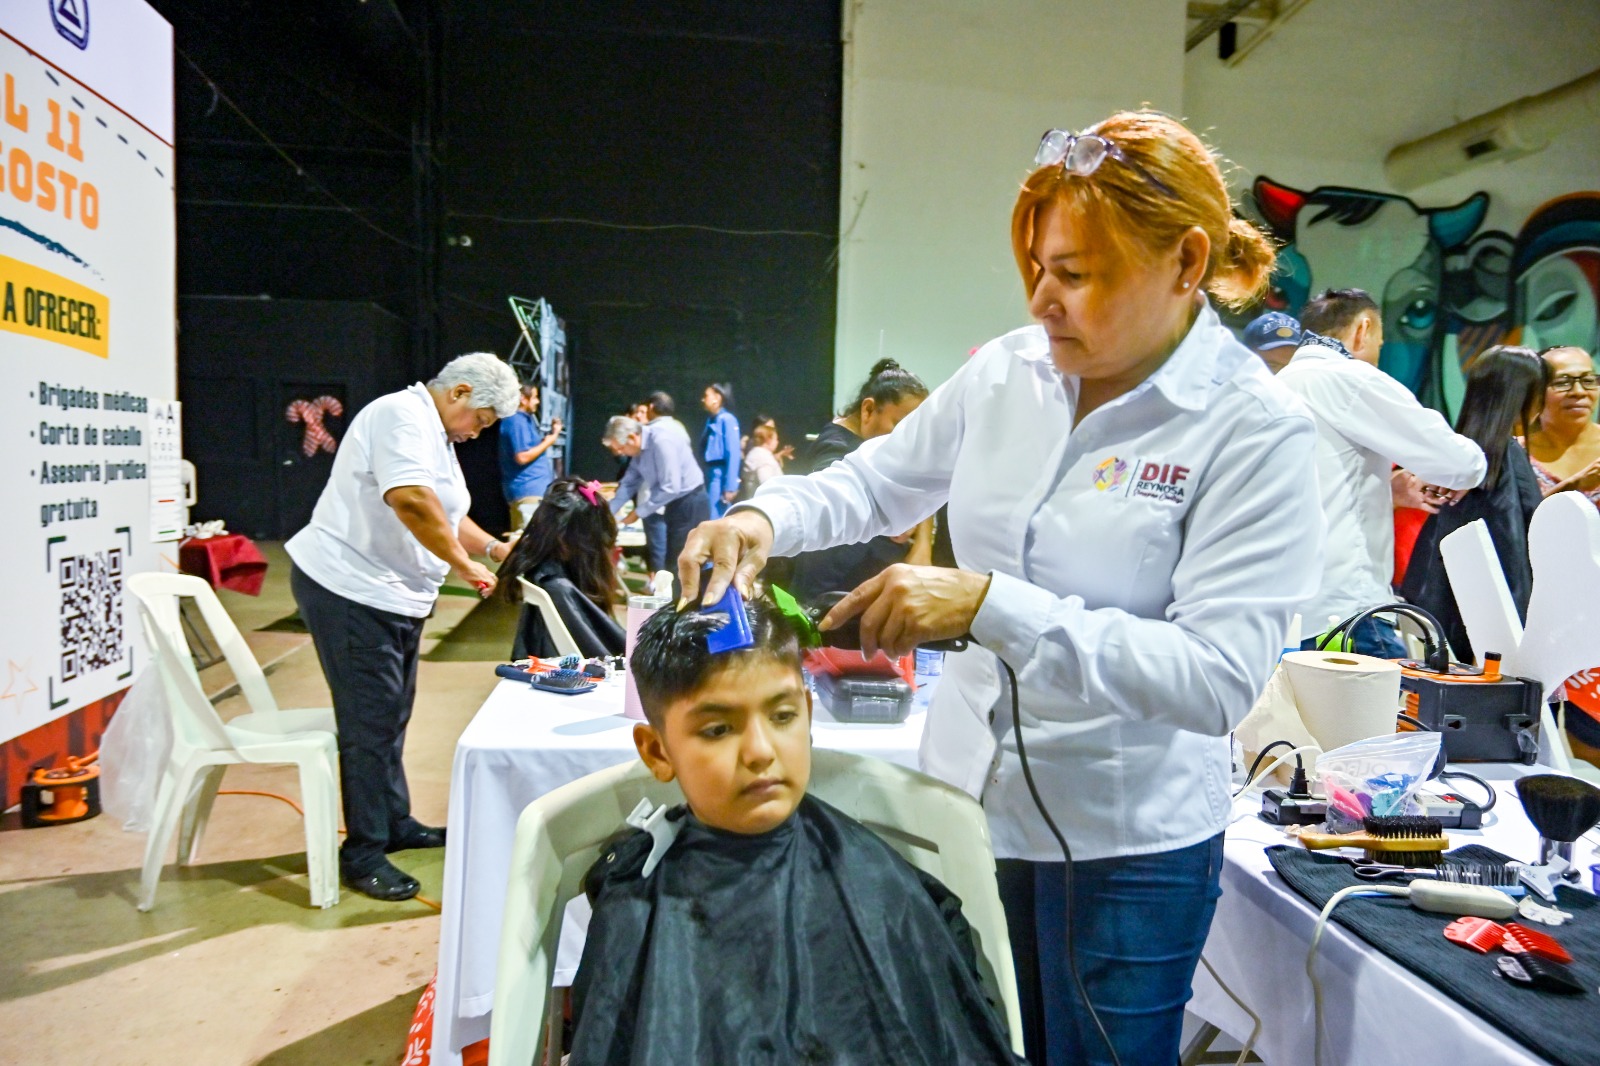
(1504, 876)
(1540, 973)
(563, 682)
(1404, 840)
(1479, 934)
(1519, 939)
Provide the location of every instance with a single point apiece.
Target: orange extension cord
(300, 811)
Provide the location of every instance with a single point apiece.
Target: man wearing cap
(1273, 336)
(1367, 424)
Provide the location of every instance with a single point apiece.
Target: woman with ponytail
(1134, 512)
(889, 394)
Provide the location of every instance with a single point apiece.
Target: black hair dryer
(848, 636)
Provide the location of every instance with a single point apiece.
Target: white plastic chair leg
(196, 813)
(163, 823)
(319, 795)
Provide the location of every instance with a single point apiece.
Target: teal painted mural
(1447, 288)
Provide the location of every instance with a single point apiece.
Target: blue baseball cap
(1272, 330)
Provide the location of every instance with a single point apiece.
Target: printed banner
(87, 340)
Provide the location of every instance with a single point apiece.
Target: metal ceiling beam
(1260, 11)
(1223, 14)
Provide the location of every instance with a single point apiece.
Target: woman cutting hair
(1134, 569)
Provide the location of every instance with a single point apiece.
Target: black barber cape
(815, 943)
(596, 632)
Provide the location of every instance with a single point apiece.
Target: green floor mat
(484, 635)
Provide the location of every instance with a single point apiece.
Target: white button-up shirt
(355, 545)
(1145, 566)
(1367, 423)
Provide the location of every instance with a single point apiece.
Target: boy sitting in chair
(772, 929)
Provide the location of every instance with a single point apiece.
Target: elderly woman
(1565, 449)
(390, 526)
(1565, 445)
(1128, 578)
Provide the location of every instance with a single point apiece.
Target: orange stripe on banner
(36, 303)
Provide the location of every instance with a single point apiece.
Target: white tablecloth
(521, 744)
(1375, 1011)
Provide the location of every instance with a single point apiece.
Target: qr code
(91, 612)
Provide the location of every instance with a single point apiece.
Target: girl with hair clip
(1505, 394)
(567, 549)
(1134, 511)
(889, 394)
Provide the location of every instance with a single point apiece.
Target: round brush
(1562, 809)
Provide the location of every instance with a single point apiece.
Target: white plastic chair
(163, 593)
(539, 600)
(203, 746)
(938, 829)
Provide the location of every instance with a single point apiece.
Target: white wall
(1343, 82)
(944, 102)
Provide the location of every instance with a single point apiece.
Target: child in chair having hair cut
(774, 929)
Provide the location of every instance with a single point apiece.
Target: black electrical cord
(1066, 851)
(1436, 654)
(1494, 797)
(1261, 757)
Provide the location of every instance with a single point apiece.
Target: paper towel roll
(639, 609)
(1344, 697)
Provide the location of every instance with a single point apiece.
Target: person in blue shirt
(719, 448)
(525, 467)
(662, 480)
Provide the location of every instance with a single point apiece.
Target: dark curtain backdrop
(429, 158)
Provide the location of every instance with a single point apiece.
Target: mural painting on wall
(1447, 290)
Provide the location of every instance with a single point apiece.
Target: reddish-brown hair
(1133, 221)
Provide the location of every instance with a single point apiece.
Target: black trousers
(370, 660)
(682, 515)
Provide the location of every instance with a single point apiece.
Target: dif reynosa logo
(1155, 479)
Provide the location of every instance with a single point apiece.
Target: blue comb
(734, 632)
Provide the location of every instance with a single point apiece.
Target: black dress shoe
(387, 882)
(419, 836)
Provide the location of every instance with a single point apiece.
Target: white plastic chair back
(195, 722)
(161, 593)
(539, 600)
(938, 829)
(1560, 637)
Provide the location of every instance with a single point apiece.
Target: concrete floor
(232, 966)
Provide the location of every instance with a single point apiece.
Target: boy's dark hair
(662, 404)
(670, 660)
(1336, 310)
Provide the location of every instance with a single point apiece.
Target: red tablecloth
(228, 562)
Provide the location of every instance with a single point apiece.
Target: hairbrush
(563, 682)
(1503, 876)
(1562, 809)
(1404, 840)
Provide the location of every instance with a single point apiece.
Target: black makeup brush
(1562, 809)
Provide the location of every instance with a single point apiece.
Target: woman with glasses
(1565, 445)
(1506, 388)
(1565, 449)
(1133, 507)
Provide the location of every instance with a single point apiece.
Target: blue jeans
(1138, 924)
(655, 542)
(1375, 636)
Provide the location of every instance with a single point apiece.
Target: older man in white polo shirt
(390, 526)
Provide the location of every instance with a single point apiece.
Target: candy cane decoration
(312, 412)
